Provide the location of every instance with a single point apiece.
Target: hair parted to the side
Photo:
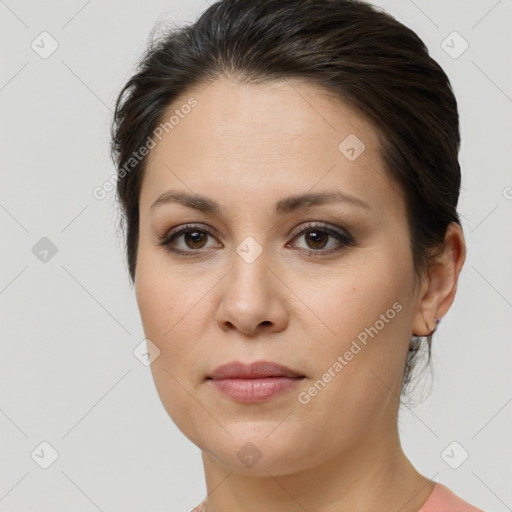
(360, 54)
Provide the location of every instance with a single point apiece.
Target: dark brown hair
(346, 47)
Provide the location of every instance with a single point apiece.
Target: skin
(246, 147)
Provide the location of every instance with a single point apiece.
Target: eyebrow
(282, 207)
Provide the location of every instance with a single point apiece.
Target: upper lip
(255, 370)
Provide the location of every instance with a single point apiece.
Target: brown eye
(317, 239)
(195, 239)
(188, 241)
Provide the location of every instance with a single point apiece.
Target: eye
(193, 239)
(317, 236)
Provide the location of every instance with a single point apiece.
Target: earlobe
(430, 330)
(438, 292)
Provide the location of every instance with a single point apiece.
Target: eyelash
(345, 239)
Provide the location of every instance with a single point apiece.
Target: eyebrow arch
(282, 207)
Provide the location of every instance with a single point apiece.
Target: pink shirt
(441, 499)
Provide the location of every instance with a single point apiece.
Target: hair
(360, 54)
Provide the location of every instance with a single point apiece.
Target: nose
(253, 298)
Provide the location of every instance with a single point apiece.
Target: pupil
(195, 237)
(318, 238)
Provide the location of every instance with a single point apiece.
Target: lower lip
(254, 390)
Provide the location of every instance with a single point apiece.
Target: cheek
(158, 291)
(163, 315)
(172, 312)
(163, 312)
(367, 309)
(362, 296)
(153, 303)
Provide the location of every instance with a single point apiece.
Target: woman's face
(323, 287)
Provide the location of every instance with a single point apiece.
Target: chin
(249, 459)
(256, 452)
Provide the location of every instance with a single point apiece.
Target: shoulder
(443, 499)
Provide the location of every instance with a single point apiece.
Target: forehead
(286, 114)
(285, 135)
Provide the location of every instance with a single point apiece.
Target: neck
(373, 474)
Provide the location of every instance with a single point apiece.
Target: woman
(288, 175)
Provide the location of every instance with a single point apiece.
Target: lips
(255, 382)
(255, 370)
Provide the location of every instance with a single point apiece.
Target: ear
(438, 290)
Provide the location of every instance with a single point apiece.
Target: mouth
(255, 382)
(255, 370)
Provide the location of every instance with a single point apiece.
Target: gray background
(69, 321)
